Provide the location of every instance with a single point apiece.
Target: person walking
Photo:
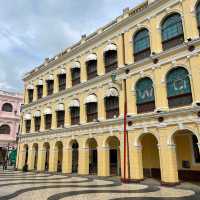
(4, 164)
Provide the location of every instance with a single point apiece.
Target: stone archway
(58, 156)
(75, 147)
(92, 147)
(113, 145)
(25, 155)
(35, 156)
(46, 148)
(187, 155)
(150, 156)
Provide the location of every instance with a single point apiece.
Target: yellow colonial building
(72, 120)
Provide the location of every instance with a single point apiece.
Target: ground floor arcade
(170, 154)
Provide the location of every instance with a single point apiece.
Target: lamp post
(113, 77)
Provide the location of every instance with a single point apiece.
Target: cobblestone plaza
(23, 186)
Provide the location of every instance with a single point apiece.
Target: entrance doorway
(46, 156)
(114, 156)
(75, 156)
(59, 148)
(92, 145)
(35, 155)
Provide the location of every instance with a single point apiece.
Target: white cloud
(6, 86)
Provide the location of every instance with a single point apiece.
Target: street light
(113, 78)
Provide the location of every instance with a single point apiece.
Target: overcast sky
(31, 30)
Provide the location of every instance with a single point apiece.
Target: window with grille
(28, 126)
(172, 31)
(75, 76)
(7, 107)
(48, 121)
(37, 124)
(110, 58)
(62, 81)
(178, 88)
(91, 69)
(4, 129)
(145, 95)
(91, 110)
(39, 91)
(30, 95)
(60, 119)
(141, 43)
(112, 107)
(196, 149)
(198, 16)
(50, 85)
(75, 115)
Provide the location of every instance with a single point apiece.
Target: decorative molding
(105, 79)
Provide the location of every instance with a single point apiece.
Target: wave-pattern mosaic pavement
(23, 186)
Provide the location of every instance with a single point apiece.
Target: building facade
(73, 117)
(10, 104)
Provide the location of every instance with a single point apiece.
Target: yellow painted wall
(150, 154)
(142, 154)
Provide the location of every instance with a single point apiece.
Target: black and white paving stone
(33, 186)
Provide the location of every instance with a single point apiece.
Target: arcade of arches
(164, 155)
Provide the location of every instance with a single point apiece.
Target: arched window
(61, 82)
(76, 74)
(60, 119)
(91, 69)
(91, 65)
(7, 107)
(75, 115)
(110, 57)
(178, 88)
(37, 121)
(4, 129)
(28, 126)
(48, 118)
(141, 43)
(30, 95)
(145, 95)
(48, 121)
(198, 15)
(75, 112)
(50, 85)
(112, 103)
(39, 91)
(172, 31)
(60, 115)
(91, 108)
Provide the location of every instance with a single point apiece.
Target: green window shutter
(141, 41)
(145, 91)
(178, 82)
(172, 27)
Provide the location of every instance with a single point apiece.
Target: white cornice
(103, 80)
(173, 117)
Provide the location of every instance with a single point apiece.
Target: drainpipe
(126, 153)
